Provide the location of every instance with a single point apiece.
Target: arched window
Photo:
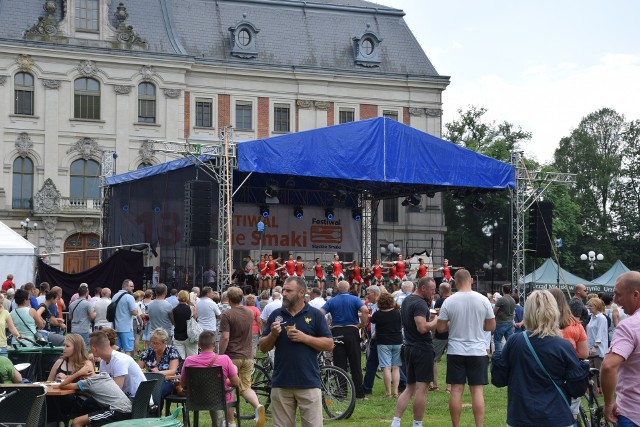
(85, 179)
(22, 183)
(86, 99)
(146, 103)
(23, 87)
(87, 15)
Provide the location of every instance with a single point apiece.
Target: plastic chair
(17, 409)
(38, 413)
(206, 391)
(181, 401)
(141, 400)
(156, 394)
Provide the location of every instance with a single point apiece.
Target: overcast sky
(542, 65)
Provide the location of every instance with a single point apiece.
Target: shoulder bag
(71, 317)
(37, 335)
(193, 329)
(111, 308)
(535, 356)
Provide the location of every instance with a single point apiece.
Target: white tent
(17, 256)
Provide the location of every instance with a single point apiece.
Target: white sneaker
(259, 418)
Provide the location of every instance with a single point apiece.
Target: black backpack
(111, 308)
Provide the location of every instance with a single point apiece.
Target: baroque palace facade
(81, 80)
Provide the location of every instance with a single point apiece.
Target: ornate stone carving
(416, 112)
(433, 112)
(321, 105)
(304, 103)
(3, 80)
(146, 151)
(87, 147)
(125, 33)
(147, 72)
(51, 84)
(50, 7)
(172, 93)
(50, 223)
(87, 68)
(25, 63)
(23, 144)
(122, 89)
(44, 29)
(47, 200)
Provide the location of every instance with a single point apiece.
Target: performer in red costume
(262, 270)
(318, 279)
(272, 267)
(338, 272)
(446, 271)
(299, 267)
(421, 270)
(356, 282)
(290, 266)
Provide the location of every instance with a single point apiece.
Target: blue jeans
(625, 422)
(503, 329)
(371, 367)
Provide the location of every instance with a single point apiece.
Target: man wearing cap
(81, 313)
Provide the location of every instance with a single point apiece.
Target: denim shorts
(389, 355)
(125, 340)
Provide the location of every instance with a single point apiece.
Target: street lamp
(27, 226)
(493, 266)
(591, 258)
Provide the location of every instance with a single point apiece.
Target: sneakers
(259, 418)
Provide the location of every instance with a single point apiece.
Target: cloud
(549, 100)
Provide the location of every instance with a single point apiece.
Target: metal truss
(522, 197)
(218, 160)
(367, 215)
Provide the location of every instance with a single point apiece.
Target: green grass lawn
(378, 411)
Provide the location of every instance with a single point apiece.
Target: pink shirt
(203, 360)
(626, 343)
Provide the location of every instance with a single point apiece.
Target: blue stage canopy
(377, 150)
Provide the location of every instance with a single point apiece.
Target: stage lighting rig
(340, 195)
(329, 214)
(413, 200)
(298, 212)
(272, 189)
(264, 211)
(478, 203)
(356, 214)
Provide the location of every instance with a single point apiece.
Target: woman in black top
(181, 315)
(389, 336)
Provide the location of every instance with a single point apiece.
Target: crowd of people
(539, 350)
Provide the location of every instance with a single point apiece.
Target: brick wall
(263, 117)
(224, 110)
(368, 111)
(330, 114)
(187, 114)
(406, 118)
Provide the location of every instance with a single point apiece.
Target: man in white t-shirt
(316, 298)
(120, 366)
(208, 310)
(268, 309)
(466, 315)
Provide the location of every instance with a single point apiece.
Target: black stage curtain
(110, 273)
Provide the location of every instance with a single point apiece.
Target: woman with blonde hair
(181, 315)
(540, 368)
(74, 358)
(161, 358)
(597, 332)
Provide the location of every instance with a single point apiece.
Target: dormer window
(366, 48)
(87, 15)
(243, 39)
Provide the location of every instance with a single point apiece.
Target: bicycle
(338, 390)
(596, 416)
(261, 385)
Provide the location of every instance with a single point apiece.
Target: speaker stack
(540, 229)
(197, 212)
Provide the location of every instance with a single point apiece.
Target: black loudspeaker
(147, 273)
(197, 212)
(540, 229)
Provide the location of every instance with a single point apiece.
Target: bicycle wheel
(582, 420)
(261, 384)
(338, 393)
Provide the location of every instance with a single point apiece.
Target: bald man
(578, 309)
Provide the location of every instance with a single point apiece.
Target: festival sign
(283, 231)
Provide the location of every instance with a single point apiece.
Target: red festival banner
(283, 231)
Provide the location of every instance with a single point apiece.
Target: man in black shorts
(417, 350)
(466, 315)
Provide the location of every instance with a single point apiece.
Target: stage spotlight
(356, 214)
(272, 189)
(478, 204)
(413, 200)
(324, 184)
(290, 183)
(340, 195)
(328, 213)
(264, 211)
(297, 212)
(431, 194)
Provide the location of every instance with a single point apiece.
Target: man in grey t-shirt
(81, 313)
(160, 312)
(100, 307)
(504, 310)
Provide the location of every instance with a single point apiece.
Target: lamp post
(27, 226)
(493, 266)
(591, 258)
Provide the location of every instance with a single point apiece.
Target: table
(55, 390)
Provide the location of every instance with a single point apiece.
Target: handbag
(40, 340)
(193, 329)
(535, 356)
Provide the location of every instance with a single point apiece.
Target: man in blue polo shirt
(125, 307)
(348, 315)
(298, 332)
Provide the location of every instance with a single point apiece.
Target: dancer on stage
(400, 268)
(421, 270)
(319, 279)
(446, 271)
(356, 282)
(299, 267)
(272, 268)
(262, 270)
(394, 280)
(338, 269)
(290, 266)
